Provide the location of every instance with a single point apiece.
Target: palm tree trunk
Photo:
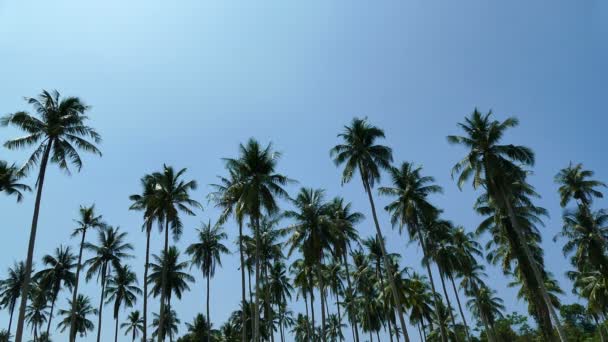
(423, 329)
(103, 288)
(256, 307)
(489, 330)
(321, 291)
(312, 307)
(537, 275)
(307, 316)
(599, 328)
(354, 319)
(268, 315)
(464, 320)
(444, 335)
(146, 266)
(75, 291)
(391, 279)
(208, 317)
(381, 277)
(116, 329)
(134, 330)
(339, 316)
(48, 327)
(25, 288)
(161, 315)
(420, 333)
(241, 252)
(10, 320)
(447, 298)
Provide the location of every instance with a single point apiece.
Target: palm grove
(310, 250)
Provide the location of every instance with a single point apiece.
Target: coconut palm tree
(420, 299)
(9, 181)
(148, 204)
(258, 188)
(176, 279)
(122, 290)
(110, 251)
(497, 169)
(359, 152)
(88, 220)
(81, 311)
(486, 307)
(58, 274)
(172, 197)
(134, 325)
(37, 312)
(586, 233)
(280, 289)
(10, 289)
(57, 131)
(206, 254)
(334, 273)
(575, 183)
(411, 208)
(5, 335)
(303, 275)
(302, 329)
(171, 325)
(334, 328)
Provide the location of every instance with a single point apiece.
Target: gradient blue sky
(184, 82)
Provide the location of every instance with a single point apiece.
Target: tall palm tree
(334, 328)
(472, 274)
(302, 329)
(57, 130)
(9, 181)
(37, 312)
(359, 152)
(88, 220)
(176, 278)
(258, 188)
(587, 234)
(411, 208)
(148, 204)
(110, 251)
(171, 327)
(497, 168)
(134, 325)
(313, 234)
(226, 196)
(5, 335)
(575, 183)
(172, 196)
(123, 291)
(58, 274)
(206, 254)
(420, 299)
(303, 280)
(10, 289)
(81, 311)
(487, 306)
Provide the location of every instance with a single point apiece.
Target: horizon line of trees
(313, 251)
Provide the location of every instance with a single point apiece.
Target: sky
(184, 82)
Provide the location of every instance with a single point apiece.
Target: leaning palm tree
(359, 152)
(176, 278)
(59, 274)
(172, 197)
(109, 253)
(148, 204)
(134, 325)
(57, 130)
(123, 291)
(206, 254)
(9, 181)
(81, 311)
(10, 289)
(87, 220)
(496, 168)
(258, 188)
(575, 183)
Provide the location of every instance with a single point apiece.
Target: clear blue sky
(184, 82)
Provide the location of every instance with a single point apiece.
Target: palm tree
(587, 234)
(110, 251)
(134, 325)
(10, 289)
(123, 290)
(58, 274)
(201, 330)
(81, 310)
(303, 280)
(334, 273)
(9, 181)
(486, 307)
(206, 254)
(360, 152)
(5, 335)
(147, 203)
(88, 220)
(176, 279)
(411, 208)
(258, 188)
(497, 168)
(57, 130)
(575, 184)
(419, 299)
(172, 196)
(334, 328)
(302, 329)
(171, 325)
(37, 313)
(472, 274)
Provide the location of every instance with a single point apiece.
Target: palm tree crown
(9, 181)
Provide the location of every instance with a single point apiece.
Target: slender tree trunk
(339, 316)
(447, 298)
(146, 267)
(133, 340)
(387, 262)
(423, 329)
(208, 316)
(464, 320)
(268, 317)
(599, 328)
(10, 320)
(75, 292)
(307, 316)
(378, 335)
(242, 256)
(537, 275)
(161, 315)
(48, 327)
(354, 319)
(116, 329)
(103, 289)
(25, 288)
(422, 339)
(256, 329)
(321, 291)
(444, 335)
(312, 307)
(381, 277)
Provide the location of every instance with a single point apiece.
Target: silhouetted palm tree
(81, 311)
(37, 312)
(57, 131)
(134, 325)
(9, 181)
(171, 325)
(122, 290)
(10, 289)
(176, 279)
